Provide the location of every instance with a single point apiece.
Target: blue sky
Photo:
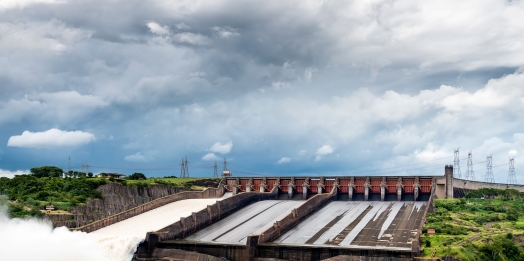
(294, 88)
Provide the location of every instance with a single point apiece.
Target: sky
(299, 87)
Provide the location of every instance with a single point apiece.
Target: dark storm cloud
(381, 83)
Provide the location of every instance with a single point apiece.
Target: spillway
(351, 224)
(155, 219)
(121, 239)
(252, 219)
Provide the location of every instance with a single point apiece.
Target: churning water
(35, 239)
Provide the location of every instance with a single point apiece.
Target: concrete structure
(313, 218)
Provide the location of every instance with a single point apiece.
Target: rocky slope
(115, 198)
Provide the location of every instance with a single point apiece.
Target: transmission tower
(512, 179)
(183, 169)
(83, 167)
(187, 168)
(456, 165)
(215, 170)
(69, 164)
(87, 168)
(225, 164)
(489, 169)
(470, 174)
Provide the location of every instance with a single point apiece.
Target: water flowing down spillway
(35, 239)
(121, 239)
(359, 223)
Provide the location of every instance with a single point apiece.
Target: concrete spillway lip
(402, 249)
(194, 242)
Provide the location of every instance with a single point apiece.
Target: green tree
(137, 176)
(47, 171)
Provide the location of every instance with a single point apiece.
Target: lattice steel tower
(456, 165)
(187, 168)
(183, 169)
(470, 174)
(489, 169)
(215, 170)
(512, 179)
(225, 164)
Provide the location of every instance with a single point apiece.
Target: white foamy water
(35, 239)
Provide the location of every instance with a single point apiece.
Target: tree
(47, 171)
(90, 174)
(136, 176)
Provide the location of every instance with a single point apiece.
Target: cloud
(302, 152)
(325, 150)
(308, 74)
(192, 39)
(11, 174)
(225, 32)
(284, 160)
(52, 36)
(63, 105)
(8, 4)
(182, 26)
(221, 148)
(137, 157)
(322, 151)
(158, 29)
(50, 138)
(210, 157)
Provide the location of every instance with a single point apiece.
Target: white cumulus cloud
(284, 160)
(158, 29)
(225, 32)
(324, 150)
(210, 157)
(221, 148)
(191, 38)
(11, 174)
(50, 138)
(137, 157)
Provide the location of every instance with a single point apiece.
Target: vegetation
(27, 195)
(486, 225)
(136, 176)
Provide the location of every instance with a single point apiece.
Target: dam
(289, 218)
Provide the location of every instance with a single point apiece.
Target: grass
(466, 215)
(172, 180)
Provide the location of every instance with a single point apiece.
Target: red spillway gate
(243, 184)
(359, 186)
(391, 186)
(375, 186)
(256, 184)
(408, 186)
(230, 184)
(270, 184)
(425, 186)
(328, 185)
(313, 186)
(284, 185)
(343, 186)
(299, 183)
